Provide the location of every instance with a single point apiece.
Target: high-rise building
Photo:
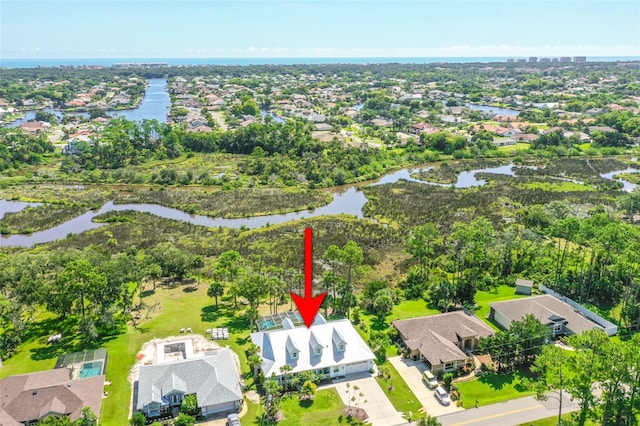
(565, 59)
(533, 59)
(545, 60)
(579, 59)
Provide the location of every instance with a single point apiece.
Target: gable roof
(274, 346)
(436, 336)
(547, 309)
(213, 378)
(33, 396)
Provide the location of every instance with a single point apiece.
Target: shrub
(447, 379)
(138, 419)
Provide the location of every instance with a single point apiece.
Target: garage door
(357, 367)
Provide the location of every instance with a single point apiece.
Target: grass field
(520, 146)
(402, 398)
(484, 298)
(492, 388)
(323, 409)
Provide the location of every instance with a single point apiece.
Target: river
(154, 105)
(348, 199)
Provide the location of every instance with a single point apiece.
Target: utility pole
(560, 399)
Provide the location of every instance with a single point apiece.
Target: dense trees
(601, 373)
(519, 346)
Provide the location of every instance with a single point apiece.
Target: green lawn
(251, 416)
(323, 409)
(519, 146)
(180, 306)
(483, 298)
(402, 398)
(492, 388)
(553, 421)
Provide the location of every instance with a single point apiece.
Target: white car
(233, 420)
(442, 395)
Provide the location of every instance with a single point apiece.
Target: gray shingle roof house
(441, 339)
(214, 379)
(549, 310)
(27, 398)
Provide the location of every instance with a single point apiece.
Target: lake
(154, 105)
(347, 199)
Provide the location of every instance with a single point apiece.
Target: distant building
(554, 60)
(565, 59)
(533, 59)
(545, 60)
(510, 60)
(522, 60)
(579, 59)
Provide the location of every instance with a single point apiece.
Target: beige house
(443, 341)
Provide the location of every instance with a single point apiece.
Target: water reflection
(154, 105)
(347, 199)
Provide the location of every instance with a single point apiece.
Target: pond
(154, 105)
(496, 110)
(276, 117)
(347, 199)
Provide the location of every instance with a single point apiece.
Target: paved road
(510, 413)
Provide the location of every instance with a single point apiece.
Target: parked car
(233, 420)
(442, 395)
(430, 379)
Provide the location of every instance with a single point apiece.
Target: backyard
(179, 307)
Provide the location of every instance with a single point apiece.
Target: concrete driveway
(411, 372)
(374, 401)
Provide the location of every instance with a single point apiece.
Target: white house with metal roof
(334, 349)
(214, 379)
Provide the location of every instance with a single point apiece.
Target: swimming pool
(269, 323)
(90, 369)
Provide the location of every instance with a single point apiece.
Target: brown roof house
(28, 398)
(561, 317)
(441, 340)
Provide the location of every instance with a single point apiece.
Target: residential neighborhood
(475, 244)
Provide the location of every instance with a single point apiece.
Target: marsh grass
(215, 202)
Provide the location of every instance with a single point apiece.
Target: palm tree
(285, 370)
(216, 289)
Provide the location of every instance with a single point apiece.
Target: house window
(294, 355)
(318, 351)
(449, 365)
(336, 369)
(341, 346)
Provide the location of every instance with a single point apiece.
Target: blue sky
(317, 28)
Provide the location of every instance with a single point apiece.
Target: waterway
(154, 105)
(496, 110)
(348, 199)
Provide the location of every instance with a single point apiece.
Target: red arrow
(308, 305)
